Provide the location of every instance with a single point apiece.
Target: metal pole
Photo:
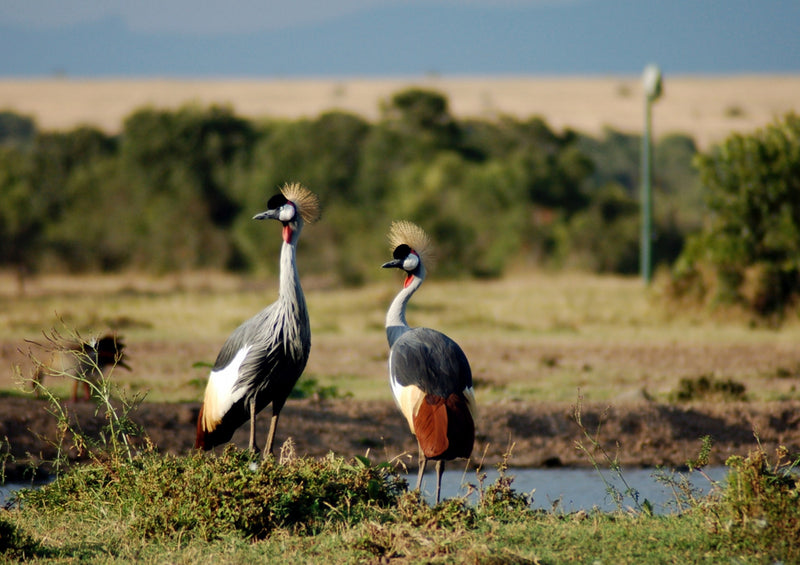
(645, 261)
(651, 80)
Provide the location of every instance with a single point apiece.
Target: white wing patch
(220, 394)
(407, 398)
(469, 394)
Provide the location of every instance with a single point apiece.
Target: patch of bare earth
(638, 425)
(638, 433)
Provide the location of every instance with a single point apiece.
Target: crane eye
(287, 212)
(411, 262)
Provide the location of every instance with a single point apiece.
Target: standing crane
(261, 361)
(430, 376)
(84, 362)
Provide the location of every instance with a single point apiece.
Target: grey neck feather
(289, 286)
(290, 294)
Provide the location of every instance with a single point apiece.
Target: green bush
(760, 506)
(177, 189)
(752, 238)
(211, 497)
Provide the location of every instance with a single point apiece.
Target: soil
(638, 433)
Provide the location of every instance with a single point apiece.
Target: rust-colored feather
(444, 427)
(200, 440)
(430, 424)
(307, 202)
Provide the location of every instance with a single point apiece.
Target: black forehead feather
(276, 201)
(401, 251)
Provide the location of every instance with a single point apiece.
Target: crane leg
(423, 462)
(253, 425)
(273, 425)
(439, 472)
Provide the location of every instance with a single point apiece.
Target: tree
(753, 232)
(20, 223)
(16, 129)
(181, 165)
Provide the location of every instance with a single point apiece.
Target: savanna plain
(570, 370)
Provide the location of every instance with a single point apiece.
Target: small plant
(499, 500)
(115, 439)
(685, 495)
(613, 463)
(706, 386)
(309, 387)
(5, 457)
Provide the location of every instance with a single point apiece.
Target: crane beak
(268, 215)
(395, 263)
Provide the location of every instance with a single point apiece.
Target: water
(570, 489)
(573, 489)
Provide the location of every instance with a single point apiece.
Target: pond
(565, 489)
(570, 490)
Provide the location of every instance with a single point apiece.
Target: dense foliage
(751, 239)
(177, 189)
(212, 497)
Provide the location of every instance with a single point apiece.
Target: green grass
(163, 509)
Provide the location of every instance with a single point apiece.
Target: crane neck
(289, 289)
(396, 324)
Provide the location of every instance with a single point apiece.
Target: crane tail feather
(200, 440)
(444, 427)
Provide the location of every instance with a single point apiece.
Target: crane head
(411, 249)
(294, 205)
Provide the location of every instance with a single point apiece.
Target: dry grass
(532, 336)
(707, 108)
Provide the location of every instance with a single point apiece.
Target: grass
(164, 509)
(531, 336)
(130, 503)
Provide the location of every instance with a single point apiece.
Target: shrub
(705, 386)
(752, 238)
(760, 506)
(213, 496)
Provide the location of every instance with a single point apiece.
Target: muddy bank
(544, 435)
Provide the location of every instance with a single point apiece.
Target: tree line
(176, 190)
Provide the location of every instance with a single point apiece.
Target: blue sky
(251, 38)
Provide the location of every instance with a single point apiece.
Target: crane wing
(431, 361)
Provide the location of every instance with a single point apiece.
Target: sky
(263, 38)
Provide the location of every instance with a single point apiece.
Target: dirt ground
(639, 433)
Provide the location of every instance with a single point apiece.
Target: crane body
(429, 373)
(264, 357)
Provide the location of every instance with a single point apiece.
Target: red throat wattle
(409, 278)
(287, 234)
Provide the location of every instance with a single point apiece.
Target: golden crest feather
(306, 202)
(411, 234)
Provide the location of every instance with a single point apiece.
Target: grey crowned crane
(84, 362)
(430, 376)
(261, 361)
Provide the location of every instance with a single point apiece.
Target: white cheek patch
(411, 262)
(286, 213)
